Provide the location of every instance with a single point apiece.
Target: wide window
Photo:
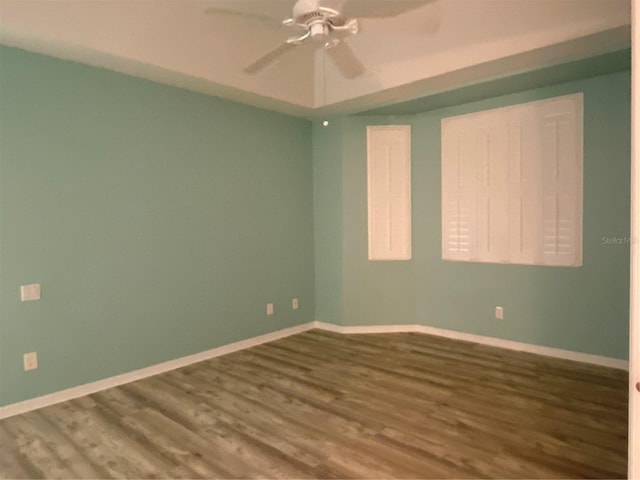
(512, 184)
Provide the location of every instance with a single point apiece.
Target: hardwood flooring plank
(214, 422)
(343, 443)
(253, 426)
(166, 461)
(182, 440)
(512, 396)
(315, 419)
(34, 446)
(343, 420)
(69, 454)
(102, 442)
(13, 462)
(326, 405)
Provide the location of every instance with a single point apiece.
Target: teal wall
(327, 203)
(159, 222)
(581, 309)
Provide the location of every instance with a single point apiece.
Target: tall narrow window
(512, 184)
(389, 191)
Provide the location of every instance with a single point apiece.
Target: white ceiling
(443, 45)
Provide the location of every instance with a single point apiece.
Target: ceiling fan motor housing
(318, 29)
(320, 19)
(306, 10)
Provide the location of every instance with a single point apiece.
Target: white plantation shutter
(524, 196)
(562, 167)
(491, 195)
(512, 184)
(389, 192)
(459, 203)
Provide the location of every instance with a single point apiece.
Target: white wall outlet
(269, 308)
(499, 313)
(30, 292)
(30, 360)
(295, 304)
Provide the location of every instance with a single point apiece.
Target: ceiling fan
(328, 23)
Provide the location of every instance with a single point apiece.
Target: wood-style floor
(325, 405)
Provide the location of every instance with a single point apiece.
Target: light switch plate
(269, 308)
(30, 292)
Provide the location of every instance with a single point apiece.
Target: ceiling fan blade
(346, 61)
(380, 8)
(268, 58)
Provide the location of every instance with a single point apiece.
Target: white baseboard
(531, 348)
(93, 387)
(491, 341)
(366, 328)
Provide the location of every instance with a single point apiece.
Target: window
(389, 192)
(512, 184)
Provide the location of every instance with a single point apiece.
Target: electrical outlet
(30, 360)
(295, 304)
(269, 308)
(30, 292)
(500, 313)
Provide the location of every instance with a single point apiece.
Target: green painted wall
(159, 222)
(375, 293)
(581, 309)
(327, 201)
